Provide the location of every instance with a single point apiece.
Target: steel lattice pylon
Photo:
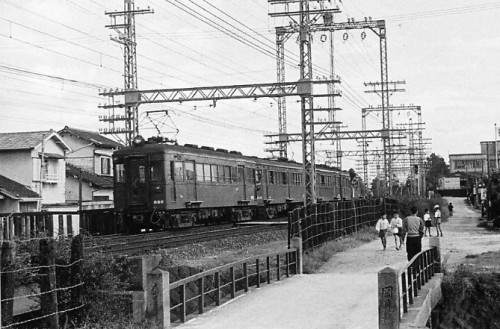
(127, 38)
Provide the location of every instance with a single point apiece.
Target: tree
(436, 168)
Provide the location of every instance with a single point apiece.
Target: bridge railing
(173, 303)
(419, 270)
(398, 288)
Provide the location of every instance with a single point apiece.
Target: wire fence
(321, 222)
(41, 282)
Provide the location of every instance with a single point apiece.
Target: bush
(470, 300)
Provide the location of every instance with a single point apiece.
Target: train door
(190, 181)
(242, 180)
(265, 183)
(137, 181)
(259, 187)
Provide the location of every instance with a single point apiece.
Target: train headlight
(138, 140)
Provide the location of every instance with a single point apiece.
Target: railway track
(146, 242)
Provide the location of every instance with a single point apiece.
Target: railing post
(48, 300)
(436, 242)
(7, 284)
(388, 299)
(158, 298)
(297, 244)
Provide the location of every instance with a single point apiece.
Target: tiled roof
(99, 181)
(90, 136)
(13, 188)
(22, 140)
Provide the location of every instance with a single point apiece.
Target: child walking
(427, 222)
(381, 227)
(437, 217)
(397, 230)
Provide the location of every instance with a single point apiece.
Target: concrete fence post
(435, 241)
(158, 298)
(297, 244)
(388, 299)
(139, 267)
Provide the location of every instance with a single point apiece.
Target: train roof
(211, 152)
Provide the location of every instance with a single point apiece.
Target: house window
(101, 197)
(105, 166)
(28, 206)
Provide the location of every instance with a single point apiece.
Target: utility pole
(126, 37)
(383, 90)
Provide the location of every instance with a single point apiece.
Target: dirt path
(461, 237)
(344, 294)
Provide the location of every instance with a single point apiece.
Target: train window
(207, 173)
(258, 176)
(200, 177)
(241, 174)
(178, 171)
(220, 174)
(227, 174)
(297, 179)
(156, 171)
(272, 177)
(284, 178)
(250, 176)
(189, 167)
(214, 173)
(234, 175)
(142, 174)
(120, 173)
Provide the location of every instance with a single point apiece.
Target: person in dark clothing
(414, 228)
(450, 209)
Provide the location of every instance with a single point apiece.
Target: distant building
(36, 160)
(488, 149)
(15, 197)
(473, 164)
(449, 183)
(92, 155)
(90, 150)
(94, 187)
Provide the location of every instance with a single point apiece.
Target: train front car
(140, 186)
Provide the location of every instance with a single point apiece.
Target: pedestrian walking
(414, 228)
(427, 222)
(450, 209)
(437, 220)
(381, 227)
(397, 230)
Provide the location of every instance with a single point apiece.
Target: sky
(55, 56)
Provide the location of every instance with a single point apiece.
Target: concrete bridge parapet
(407, 296)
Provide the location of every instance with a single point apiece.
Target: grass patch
(314, 259)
